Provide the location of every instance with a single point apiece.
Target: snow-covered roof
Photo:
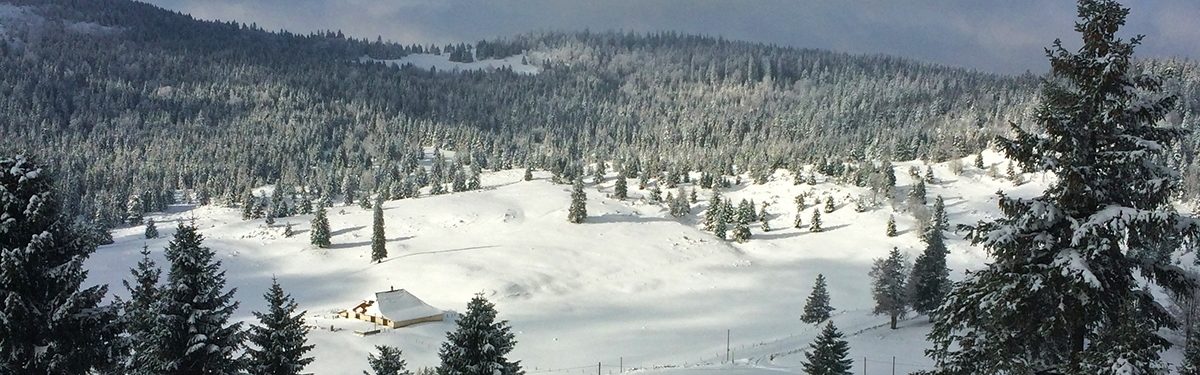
(400, 305)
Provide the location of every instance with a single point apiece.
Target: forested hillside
(126, 99)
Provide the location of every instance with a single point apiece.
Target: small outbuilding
(398, 308)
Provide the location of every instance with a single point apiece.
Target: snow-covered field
(632, 287)
(442, 63)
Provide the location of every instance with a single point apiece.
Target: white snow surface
(443, 64)
(630, 288)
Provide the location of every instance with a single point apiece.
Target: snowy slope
(442, 63)
(632, 287)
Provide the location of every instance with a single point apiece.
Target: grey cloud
(1000, 36)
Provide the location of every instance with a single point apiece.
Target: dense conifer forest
(133, 104)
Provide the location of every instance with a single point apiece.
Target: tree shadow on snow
(607, 219)
(438, 252)
(346, 230)
(772, 235)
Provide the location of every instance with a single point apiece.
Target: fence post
(864, 365)
(597, 368)
(727, 353)
(893, 365)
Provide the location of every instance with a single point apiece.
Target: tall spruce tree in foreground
(388, 362)
(378, 235)
(279, 341)
(817, 308)
(480, 344)
(829, 354)
(578, 210)
(141, 314)
(929, 281)
(193, 334)
(319, 231)
(887, 286)
(1070, 265)
(49, 324)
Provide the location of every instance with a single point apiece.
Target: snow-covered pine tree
(643, 180)
(829, 207)
(888, 286)
(979, 161)
(305, 204)
(1191, 355)
(891, 226)
(193, 334)
(655, 194)
(50, 324)
(798, 223)
(248, 204)
(279, 206)
(741, 227)
(390, 361)
(620, 187)
(928, 177)
(378, 235)
(762, 213)
(692, 197)
(288, 232)
(151, 229)
(578, 209)
(939, 218)
(929, 281)
(1070, 265)
(817, 308)
(140, 315)
(134, 210)
(480, 344)
(473, 181)
(528, 174)
(814, 225)
(319, 230)
(916, 196)
(812, 179)
(713, 213)
(829, 354)
(278, 341)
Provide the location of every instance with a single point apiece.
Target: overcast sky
(1004, 36)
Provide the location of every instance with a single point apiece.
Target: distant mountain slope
(164, 101)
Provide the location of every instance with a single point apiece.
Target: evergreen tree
(473, 182)
(140, 315)
(151, 230)
(829, 207)
(979, 161)
(378, 236)
(939, 219)
(814, 225)
(741, 228)
(888, 286)
(319, 233)
(134, 210)
(279, 341)
(891, 226)
(279, 206)
(928, 178)
(48, 323)
(713, 213)
(721, 224)
(817, 308)
(929, 281)
(480, 344)
(578, 210)
(655, 193)
(1191, 354)
(528, 174)
(388, 362)
(829, 354)
(916, 196)
(248, 204)
(288, 232)
(193, 334)
(620, 187)
(799, 222)
(1070, 265)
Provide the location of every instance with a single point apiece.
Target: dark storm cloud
(1001, 36)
